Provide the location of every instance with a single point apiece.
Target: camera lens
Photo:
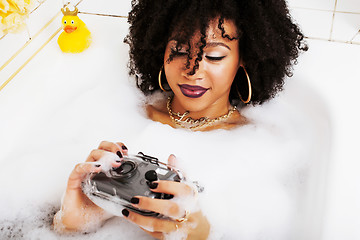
(125, 170)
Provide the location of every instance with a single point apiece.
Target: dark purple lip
(192, 91)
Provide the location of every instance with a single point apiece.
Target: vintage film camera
(113, 190)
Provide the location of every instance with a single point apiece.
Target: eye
(178, 53)
(215, 58)
(65, 22)
(72, 22)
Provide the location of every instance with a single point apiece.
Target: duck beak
(69, 29)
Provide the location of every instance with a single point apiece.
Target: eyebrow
(215, 44)
(209, 44)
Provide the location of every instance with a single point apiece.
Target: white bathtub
(331, 70)
(36, 113)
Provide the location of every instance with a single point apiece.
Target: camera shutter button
(151, 175)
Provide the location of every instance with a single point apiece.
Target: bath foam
(255, 178)
(263, 180)
(237, 191)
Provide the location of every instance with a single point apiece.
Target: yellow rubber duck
(76, 37)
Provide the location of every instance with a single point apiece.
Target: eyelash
(180, 54)
(214, 58)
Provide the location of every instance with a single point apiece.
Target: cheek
(222, 76)
(173, 70)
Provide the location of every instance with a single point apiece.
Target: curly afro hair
(269, 41)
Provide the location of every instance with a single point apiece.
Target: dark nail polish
(125, 212)
(124, 147)
(97, 165)
(119, 154)
(134, 200)
(168, 196)
(153, 185)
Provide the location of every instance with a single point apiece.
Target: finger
(162, 206)
(172, 161)
(123, 148)
(98, 154)
(79, 172)
(95, 155)
(108, 160)
(172, 187)
(173, 164)
(156, 235)
(119, 148)
(150, 224)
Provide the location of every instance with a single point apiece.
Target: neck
(219, 108)
(186, 120)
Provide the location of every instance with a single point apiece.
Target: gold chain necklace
(183, 121)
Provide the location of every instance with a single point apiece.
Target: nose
(195, 71)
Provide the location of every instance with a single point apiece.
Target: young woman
(208, 59)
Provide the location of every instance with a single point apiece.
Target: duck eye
(65, 22)
(72, 22)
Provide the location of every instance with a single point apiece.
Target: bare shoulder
(158, 113)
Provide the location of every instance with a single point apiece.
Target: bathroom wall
(334, 20)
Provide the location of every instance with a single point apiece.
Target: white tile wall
(42, 15)
(345, 26)
(317, 4)
(334, 20)
(10, 44)
(357, 37)
(313, 23)
(106, 7)
(348, 6)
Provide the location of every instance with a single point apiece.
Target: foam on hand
(189, 202)
(107, 161)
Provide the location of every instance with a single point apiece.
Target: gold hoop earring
(249, 85)
(159, 78)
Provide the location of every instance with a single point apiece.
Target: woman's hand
(78, 212)
(183, 219)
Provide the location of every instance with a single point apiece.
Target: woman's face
(205, 93)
